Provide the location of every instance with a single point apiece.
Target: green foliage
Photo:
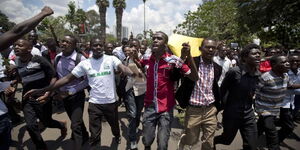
(58, 25)
(103, 3)
(215, 19)
(111, 38)
(93, 23)
(75, 17)
(5, 23)
(119, 4)
(274, 21)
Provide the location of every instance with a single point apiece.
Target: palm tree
(102, 4)
(119, 5)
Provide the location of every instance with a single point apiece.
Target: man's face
(32, 37)
(87, 45)
(68, 45)
(135, 44)
(143, 49)
(22, 47)
(159, 42)
(272, 52)
(208, 49)
(282, 65)
(127, 51)
(223, 50)
(109, 49)
(253, 58)
(124, 42)
(98, 47)
(144, 42)
(294, 62)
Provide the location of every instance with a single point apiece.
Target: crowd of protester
(255, 88)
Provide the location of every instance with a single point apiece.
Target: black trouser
(33, 111)
(74, 106)
(96, 111)
(247, 127)
(286, 122)
(267, 124)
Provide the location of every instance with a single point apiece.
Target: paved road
(21, 139)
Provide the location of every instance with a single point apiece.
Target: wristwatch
(71, 91)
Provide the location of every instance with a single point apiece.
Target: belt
(3, 116)
(201, 106)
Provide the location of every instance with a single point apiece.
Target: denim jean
(5, 129)
(163, 120)
(267, 124)
(297, 104)
(134, 106)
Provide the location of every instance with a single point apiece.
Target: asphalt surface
(21, 138)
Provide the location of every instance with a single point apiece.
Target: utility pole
(144, 18)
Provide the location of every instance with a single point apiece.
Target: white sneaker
(133, 145)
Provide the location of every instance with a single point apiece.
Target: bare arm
(125, 70)
(59, 83)
(9, 37)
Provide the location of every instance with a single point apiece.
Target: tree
(102, 4)
(119, 6)
(75, 17)
(216, 19)
(53, 25)
(5, 23)
(93, 23)
(272, 20)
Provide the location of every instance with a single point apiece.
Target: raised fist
(47, 11)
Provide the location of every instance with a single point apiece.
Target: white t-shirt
(101, 77)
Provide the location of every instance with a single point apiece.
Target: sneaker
(133, 145)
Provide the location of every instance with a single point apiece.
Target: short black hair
(26, 40)
(207, 39)
(73, 37)
(274, 60)
(96, 38)
(136, 40)
(246, 50)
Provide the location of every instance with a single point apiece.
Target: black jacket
(186, 88)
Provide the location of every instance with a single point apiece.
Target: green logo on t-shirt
(100, 74)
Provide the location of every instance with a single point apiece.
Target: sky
(161, 15)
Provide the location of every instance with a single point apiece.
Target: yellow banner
(176, 40)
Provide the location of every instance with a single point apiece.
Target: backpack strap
(56, 60)
(78, 58)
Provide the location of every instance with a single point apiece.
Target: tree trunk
(119, 14)
(102, 11)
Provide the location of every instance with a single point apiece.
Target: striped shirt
(35, 74)
(202, 94)
(270, 93)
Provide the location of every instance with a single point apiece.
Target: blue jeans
(134, 106)
(5, 135)
(163, 120)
